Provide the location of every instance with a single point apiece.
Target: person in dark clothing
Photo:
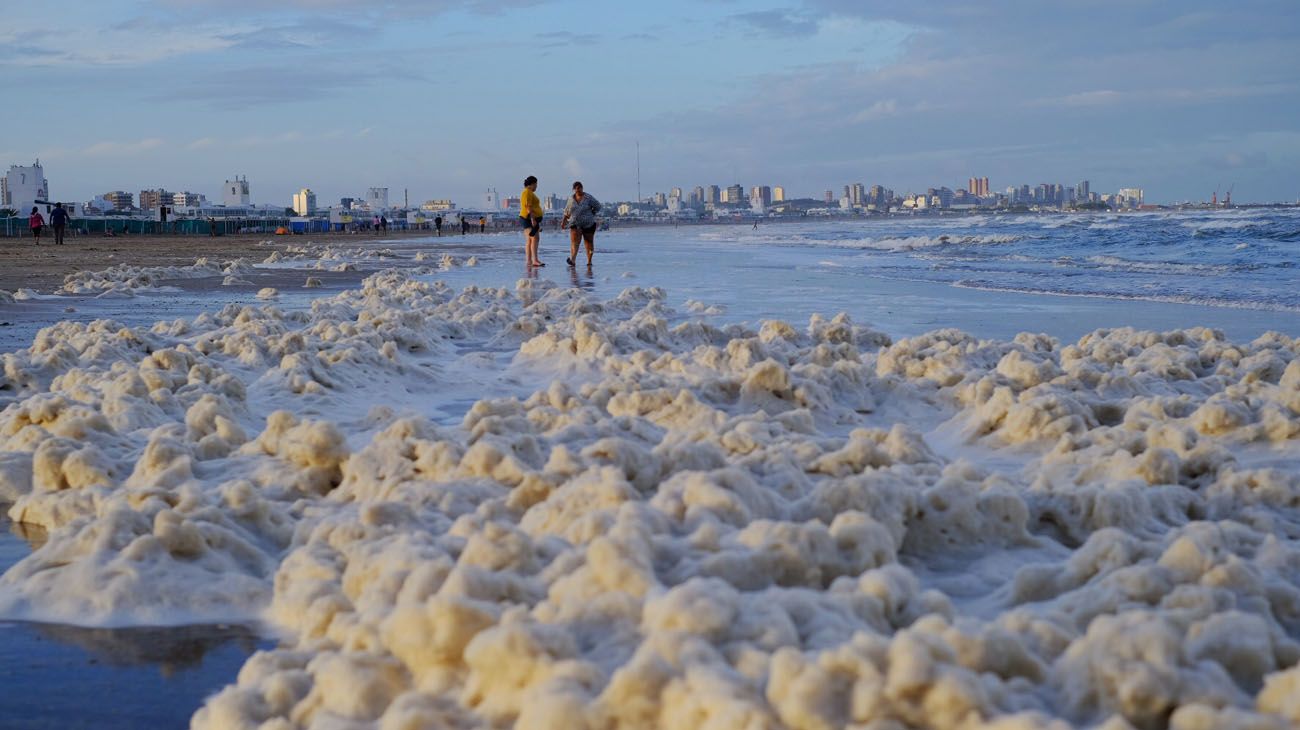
(59, 221)
(464, 226)
(482, 224)
(437, 224)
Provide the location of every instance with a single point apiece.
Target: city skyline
(425, 97)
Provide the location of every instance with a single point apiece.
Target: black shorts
(36, 230)
(588, 232)
(532, 226)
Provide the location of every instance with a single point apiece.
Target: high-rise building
(978, 186)
(735, 194)
(760, 195)
(848, 194)
(778, 194)
(857, 193)
(661, 200)
(675, 193)
(377, 199)
(235, 193)
(304, 202)
(697, 195)
(829, 197)
(712, 195)
(984, 187)
(120, 200)
(1081, 191)
(876, 196)
(22, 186)
(188, 200)
(1133, 196)
(156, 199)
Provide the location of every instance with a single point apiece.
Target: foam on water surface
(541, 505)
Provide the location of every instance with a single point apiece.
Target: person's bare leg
(591, 246)
(574, 235)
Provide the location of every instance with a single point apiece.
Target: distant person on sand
(530, 217)
(212, 227)
(59, 221)
(437, 225)
(383, 223)
(482, 224)
(464, 226)
(36, 222)
(580, 216)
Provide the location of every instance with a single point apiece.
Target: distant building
(829, 197)
(119, 200)
(491, 199)
(156, 199)
(1132, 196)
(857, 193)
(675, 193)
(304, 202)
(760, 195)
(512, 204)
(438, 205)
(21, 187)
(734, 194)
(1082, 191)
(235, 193)
(189, 200)
(697, 196)
(660, 200)
(377, 199)
(778, 194)
(712, 195)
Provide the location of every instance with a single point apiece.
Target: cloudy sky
(447, 98)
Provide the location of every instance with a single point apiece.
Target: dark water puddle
(60, 676)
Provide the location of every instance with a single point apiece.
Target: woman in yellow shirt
(530, 217)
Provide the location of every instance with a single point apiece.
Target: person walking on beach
(580, 216)
(530, 217)
(437, 225)
(36, 222)
(482, 224)
(59, 221)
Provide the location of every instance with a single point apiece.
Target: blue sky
(448, 98)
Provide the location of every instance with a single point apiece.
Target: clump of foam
(125, 279)
(653, 521)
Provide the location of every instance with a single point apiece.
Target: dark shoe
(569, 262)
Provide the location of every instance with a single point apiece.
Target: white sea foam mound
(651, 521)
(124, 279)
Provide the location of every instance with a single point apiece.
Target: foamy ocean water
(678, 491)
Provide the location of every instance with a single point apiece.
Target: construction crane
(1214, 200)
(1227, 198)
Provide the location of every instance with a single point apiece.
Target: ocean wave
(1204, 301)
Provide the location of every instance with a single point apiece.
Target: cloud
(781, 22)
(351, 8)
(113, 46)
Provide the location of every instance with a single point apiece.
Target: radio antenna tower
(638, 171)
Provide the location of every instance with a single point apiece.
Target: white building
(1131, 195)
(377, 199)
(304, 202)
(491, 200)
(235, 193)
(21, 187)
